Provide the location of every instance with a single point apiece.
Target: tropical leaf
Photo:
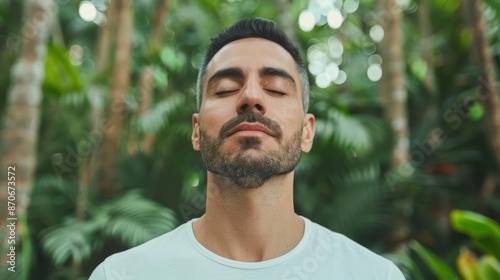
(52, 199)
(440, 269)
(60, 75)
(467, 265)
(67, 241)
(158, 117)
(359, 208)
(485, 232)
(489, 268)
(406, 264)
(357, 133)
(135, 219)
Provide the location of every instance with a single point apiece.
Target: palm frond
(359, 208)
(357, 133)
(52, 199)
(158, 117)
(358, 174)
(67, 241)
(135, 219)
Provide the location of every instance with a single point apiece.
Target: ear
(308, 133)
(195, 136)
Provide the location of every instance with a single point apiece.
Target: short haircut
(254, 28)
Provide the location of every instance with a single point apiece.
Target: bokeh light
(377, 33)
(374, 72)
(375, 59)
(323, 80)
(351, 6)
(332, 69)
(75, 55)
(335, 47)
(335, 18)
(87, 11)
(341, 78)
(306, 21)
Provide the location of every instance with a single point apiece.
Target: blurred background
(96, 99)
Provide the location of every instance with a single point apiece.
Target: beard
(248, 171)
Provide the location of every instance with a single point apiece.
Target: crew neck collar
(249, 265)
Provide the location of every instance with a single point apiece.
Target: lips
(249, 127)
(251, 121)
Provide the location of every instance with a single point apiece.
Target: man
(251, 128)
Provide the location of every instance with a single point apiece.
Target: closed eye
(277, 92)
(225, 92)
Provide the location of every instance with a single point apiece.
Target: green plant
(485, 235)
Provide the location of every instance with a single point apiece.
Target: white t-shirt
(320, 254)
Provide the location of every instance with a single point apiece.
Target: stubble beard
(247, 172)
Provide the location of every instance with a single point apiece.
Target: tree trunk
(488, 91)
(145, 99)
(20, 128)
(146, 80)
(393, 93)
(96, 92)
(104, 41)
(117, 106)
(97, 89)
(424, 21)
(429, 112)
(158, 22)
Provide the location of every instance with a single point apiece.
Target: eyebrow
(232, 72)
(235, 72)
(276, 72)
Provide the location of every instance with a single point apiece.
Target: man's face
(251, 125)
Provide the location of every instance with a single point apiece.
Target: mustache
(251, 117)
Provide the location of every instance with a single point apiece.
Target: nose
(251, 99)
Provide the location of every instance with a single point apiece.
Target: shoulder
(171, 239)
(353, 257)
(164, 248)
(334, 241)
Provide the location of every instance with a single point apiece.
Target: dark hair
(254, 28)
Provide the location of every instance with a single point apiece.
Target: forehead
(252, 54)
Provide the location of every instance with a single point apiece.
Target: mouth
(247, 129)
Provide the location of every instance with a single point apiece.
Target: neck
(249, 224)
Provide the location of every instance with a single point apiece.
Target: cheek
(212, 120)
(288, 112)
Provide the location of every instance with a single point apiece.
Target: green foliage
(406, 264)
(476, 112)
(486, 268)
(134, 219)
(60, 75)
(346, 193)
(131, 218)
(440, 269)
(485, 232)
(158, 117)
(173, 60)
(339, 184)
(359, 134)
(68, 241)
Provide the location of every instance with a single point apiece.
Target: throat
(250, 224)
(248, 241)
